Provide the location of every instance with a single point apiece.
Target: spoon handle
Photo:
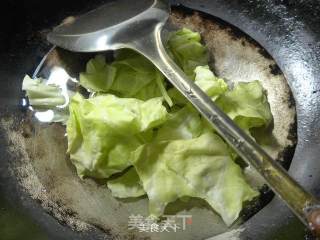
(302, 203)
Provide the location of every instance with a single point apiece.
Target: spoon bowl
(109, 28)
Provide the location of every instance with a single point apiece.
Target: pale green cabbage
(247, 105)
(206, 81)
(209, 83)
(186, 49)
(99, 75)
(104, 130)
(127, 185)
(183, 124)
(42, 95)
(199, 167)
(46, 99)
(130, 75)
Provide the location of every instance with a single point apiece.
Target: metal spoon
(137, 25)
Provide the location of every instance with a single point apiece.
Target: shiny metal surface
(142, 32)
(112, 26)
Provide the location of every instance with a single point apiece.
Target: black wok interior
(288, 30)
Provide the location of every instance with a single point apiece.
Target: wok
(288, 31)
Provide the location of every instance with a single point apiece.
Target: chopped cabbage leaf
(154, 89)
(130, 75)
(199, 167)
(206, 81)
(183, 124)
(99, 75)
(41, 95)
(209, 83)
(103, 131)
(247, 105)
(133, 74)
(46, 99)
(186, 49)
(127, 185)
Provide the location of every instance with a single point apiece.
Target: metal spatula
(137, 25)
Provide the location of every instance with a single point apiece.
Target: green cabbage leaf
(41, 95)
(103, 131)
(247, 105)
(199, 167)
(127, 185)
(186, 49)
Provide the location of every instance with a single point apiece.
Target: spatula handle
(298, 199)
